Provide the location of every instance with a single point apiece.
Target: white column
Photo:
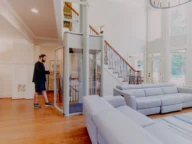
(102, 66)
(80, 81)
(81, 19)
(66, 77)
(85, 51)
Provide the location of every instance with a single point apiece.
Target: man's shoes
(48, 104)
(37, 105)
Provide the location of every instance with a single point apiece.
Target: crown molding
(19, 18)
(26, 28)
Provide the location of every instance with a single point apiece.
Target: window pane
(178, 21)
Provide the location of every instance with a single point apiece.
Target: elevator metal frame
(85, 47)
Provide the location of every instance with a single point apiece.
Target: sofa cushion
(148, 102)
(170, 99)
(186, 97)
(156, 85)
(115, 101)
(135, 116)
(153, 91)
(150, 111)
(136, 92)
(169, 90)
(117, 128)
(126, 87)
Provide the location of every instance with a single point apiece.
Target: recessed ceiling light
(34, 10)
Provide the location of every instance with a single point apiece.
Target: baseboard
(3, 96)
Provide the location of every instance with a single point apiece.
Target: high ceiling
(42, 24)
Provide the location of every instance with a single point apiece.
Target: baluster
(109, 59)
(105, 49)
(108, 55)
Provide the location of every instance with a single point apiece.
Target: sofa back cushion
(115, 101)
(157, 85)
(127, 87)
(136, 92)
(153, 91)
(169, 90)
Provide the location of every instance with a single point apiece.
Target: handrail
(72, 8)
(93, 30)
(97, 33)
(120, 56)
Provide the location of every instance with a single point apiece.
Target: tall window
(155, 25)
(178, 60)
(178, 21)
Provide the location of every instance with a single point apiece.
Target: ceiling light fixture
(34, 10)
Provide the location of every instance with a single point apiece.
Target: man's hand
(51, 72)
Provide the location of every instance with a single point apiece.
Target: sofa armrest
(117, 92)
(184, 90)
(130, 101)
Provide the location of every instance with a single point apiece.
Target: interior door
(155, 70)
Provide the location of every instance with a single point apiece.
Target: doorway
(155, 70)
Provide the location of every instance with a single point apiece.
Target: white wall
(124, 22)
(110, 82)
(16, 62)
(189, 50)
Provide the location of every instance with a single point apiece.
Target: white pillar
(85, 51)
(102, 66)
(95, 74)
(66, 77)
(81, 18)
(80, 81)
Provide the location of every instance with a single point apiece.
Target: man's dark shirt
(39, 73)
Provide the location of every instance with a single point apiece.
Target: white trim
(28, 30)
(5, 95)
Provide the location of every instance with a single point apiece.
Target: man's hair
(42, 56)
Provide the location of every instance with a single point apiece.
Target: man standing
(39, 78)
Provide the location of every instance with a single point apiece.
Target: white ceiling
(42, 24)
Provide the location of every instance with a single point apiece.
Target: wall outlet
(21, 87)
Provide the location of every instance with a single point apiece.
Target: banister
(72, 8)
(120, 56)
(93, 30)
(107, 43)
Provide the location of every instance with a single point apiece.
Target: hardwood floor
(20, 123)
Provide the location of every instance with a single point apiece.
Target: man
(39, 78)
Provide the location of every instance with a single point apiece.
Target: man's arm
(41, 69)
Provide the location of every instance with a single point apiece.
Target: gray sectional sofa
(155, 98)
(110, 121)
